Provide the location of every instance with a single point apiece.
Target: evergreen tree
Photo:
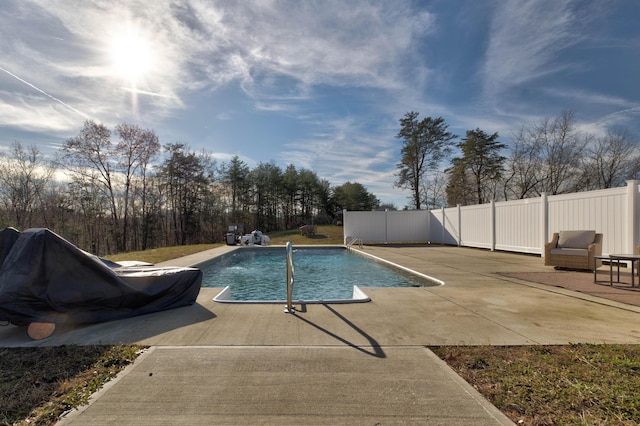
(480, 168)
(355, 197)
(425, 144)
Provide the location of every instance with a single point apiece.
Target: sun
(132, 56)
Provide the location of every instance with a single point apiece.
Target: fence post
(459, 226)
(544, 221)
(492, 226)
(344, 226)
(632, 216)
(386, 226)
(444, 221)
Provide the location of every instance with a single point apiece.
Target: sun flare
(132, 56)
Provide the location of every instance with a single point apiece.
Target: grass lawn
(554, 385)
(325, 234)
(533, 385)
(37, 385)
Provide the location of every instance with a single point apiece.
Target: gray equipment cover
(45, 278)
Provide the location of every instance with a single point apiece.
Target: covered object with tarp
(46, 279)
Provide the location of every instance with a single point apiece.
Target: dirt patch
(583, 282)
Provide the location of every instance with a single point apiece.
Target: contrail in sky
(135, 91)
(144, 92)
(45, 93)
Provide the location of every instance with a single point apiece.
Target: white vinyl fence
(520, 226)
(387, 226)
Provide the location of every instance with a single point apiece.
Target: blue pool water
(259, 274)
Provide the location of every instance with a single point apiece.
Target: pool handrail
(289, 308)
(355, 240)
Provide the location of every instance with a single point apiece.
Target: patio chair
(574, 250)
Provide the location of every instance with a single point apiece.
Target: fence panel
(369, 226)
(436, 230)
(407, 226)
(388, 226)
(475, 226)
(519, 225)
(443, 226)
(604, 210)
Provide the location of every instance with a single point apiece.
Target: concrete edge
(402, 268)
(486, 405)
(571, 293)
(71, 414)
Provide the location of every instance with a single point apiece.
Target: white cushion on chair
(570, 252)
(576, 239)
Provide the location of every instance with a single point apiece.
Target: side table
(618, 258)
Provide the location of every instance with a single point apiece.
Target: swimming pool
(322, 275)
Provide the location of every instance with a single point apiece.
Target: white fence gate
(519, 226)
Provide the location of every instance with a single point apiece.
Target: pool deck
(367, 363)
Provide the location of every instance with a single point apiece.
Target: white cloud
(526, 38)
(622, 118)
(582, 96)
(32, 113)
(312, 43)
(344, 151)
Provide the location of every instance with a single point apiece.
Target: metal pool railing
(289, 308)
(355, 240)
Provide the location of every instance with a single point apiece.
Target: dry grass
(550, 385)
(325, 234)
(162, 254)
(37, 385)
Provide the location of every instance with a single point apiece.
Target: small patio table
(618, 258)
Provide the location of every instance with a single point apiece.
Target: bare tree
(24, 175)
(94, 159)
(435, 191)
(524, 170)
(86, 202)
(561, 149)
(611, 160)
(89, 158)
(134, 151)
(546, 158)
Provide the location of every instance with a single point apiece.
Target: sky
(317, 84)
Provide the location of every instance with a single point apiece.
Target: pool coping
(359, 296)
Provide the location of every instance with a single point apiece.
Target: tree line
(548, 156)
(118, 190)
